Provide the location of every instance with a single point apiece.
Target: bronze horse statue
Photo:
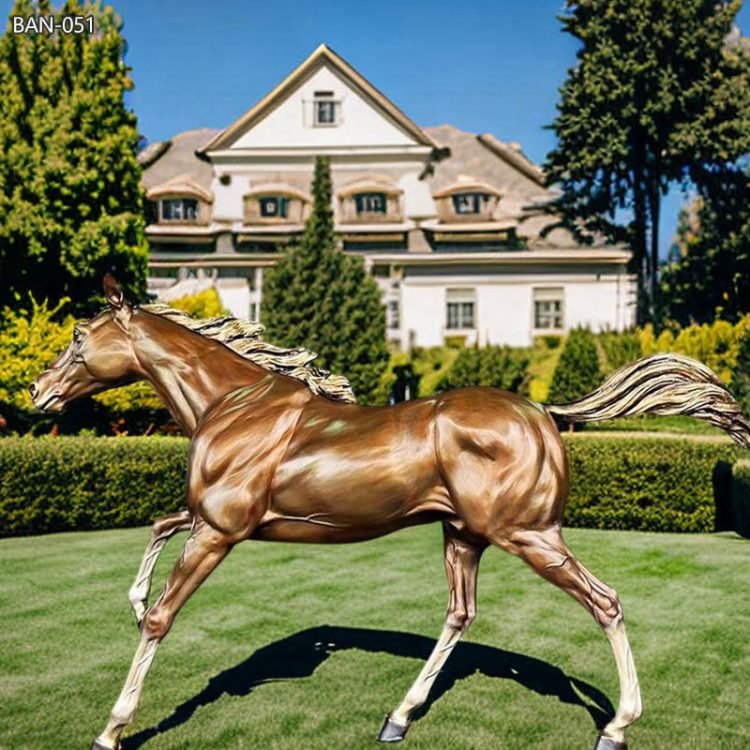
(280, 451)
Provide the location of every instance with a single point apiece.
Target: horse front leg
(203, 551)
(461, 564)
(163, 529)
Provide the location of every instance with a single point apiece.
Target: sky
(484, 66)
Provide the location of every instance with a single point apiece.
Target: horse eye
(77, 334)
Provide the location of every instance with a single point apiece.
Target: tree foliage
(711, 278)
(498, 366)
(30, 341)
(660, 93)
(70, 199)
(740, 384)
(319, 298)
(577, 372)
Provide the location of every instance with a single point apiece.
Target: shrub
(715, 344)
(577, 373)
(649, 483)
(740, 384)
(543, 358)
(643, 483)
(71, 483)
(205, 304)
(497, 366)
(618, 349)
(30, 341)
(741, 497)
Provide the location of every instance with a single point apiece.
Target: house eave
(287, 152)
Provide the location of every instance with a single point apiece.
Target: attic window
(469, 203)
(370, 203)
(179, 209)
(325, 109)
(273, 206)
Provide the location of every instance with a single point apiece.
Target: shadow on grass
(299, 655)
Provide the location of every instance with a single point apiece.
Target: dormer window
(370, 203)
(275, 203)
(467, 200)
(370, 200)
(178, 209)
(469, 203)
(273, 206)
(180, 200)
(325, 109)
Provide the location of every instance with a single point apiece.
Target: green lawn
(291, 646)
(651, 423)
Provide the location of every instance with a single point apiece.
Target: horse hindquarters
(507, 473)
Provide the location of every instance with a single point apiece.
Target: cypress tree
(321, 299)
(70, 197)
(577, 373)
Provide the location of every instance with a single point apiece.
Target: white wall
(245, 173)
(503, 314)
(422, 311)
(504, 308)
(290, 124)
(235, 296)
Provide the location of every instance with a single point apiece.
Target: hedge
(650, 482)
(640, 482)
(741, 497)
(70, 483)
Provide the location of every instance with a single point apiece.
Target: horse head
(99, 357)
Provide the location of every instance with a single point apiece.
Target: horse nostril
(33, 389)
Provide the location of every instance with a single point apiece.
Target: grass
(651, 423)
(292, 646)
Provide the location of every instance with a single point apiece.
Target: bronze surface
(271, 460)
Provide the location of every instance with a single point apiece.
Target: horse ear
(117, 302)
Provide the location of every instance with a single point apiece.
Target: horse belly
(327, 496)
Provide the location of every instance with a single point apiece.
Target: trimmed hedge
(72, 483)
(649, 483)
(741, 497)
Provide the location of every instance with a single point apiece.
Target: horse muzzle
(45, 399)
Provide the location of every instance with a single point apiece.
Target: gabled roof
(323, 55)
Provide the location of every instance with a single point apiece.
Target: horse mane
(243, 337)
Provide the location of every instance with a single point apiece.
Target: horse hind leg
(163, 529)
(462, 557)
(549, 556)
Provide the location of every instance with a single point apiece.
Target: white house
(440, 215)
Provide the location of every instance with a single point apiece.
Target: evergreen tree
(740, 385)
(711, 278)
(70, 198)
(577, 372)
(660, 94)
(321, 299)
(497, 366)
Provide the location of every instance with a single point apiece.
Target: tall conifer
(319, 298)
(659, 94)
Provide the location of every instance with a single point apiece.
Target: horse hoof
(605, 743)
(98, 746)
(391, 731)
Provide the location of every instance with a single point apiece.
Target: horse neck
(188, 371)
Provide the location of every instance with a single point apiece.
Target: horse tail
(666, 384)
